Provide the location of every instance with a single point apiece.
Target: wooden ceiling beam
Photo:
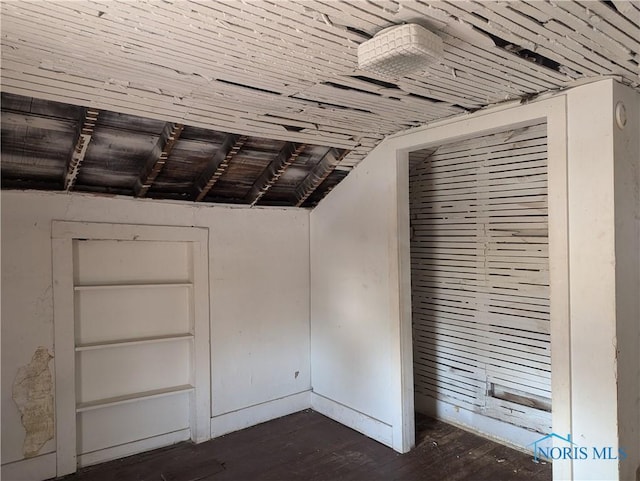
(287, 156)
(168, 138)
(317, 176)
(218, 164)
(88, 124)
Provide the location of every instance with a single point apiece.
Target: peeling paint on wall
(33, 394)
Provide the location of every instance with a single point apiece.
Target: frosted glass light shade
(400, 51)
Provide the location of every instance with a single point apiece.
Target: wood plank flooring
(308, 446)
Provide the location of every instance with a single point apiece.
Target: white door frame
(553, 111)
(62, 236)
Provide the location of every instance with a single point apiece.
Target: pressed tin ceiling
(262, 101)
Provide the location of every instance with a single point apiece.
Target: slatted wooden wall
(480, 276)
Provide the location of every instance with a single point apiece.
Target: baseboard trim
(32, 469)
(259, 413)
(493, 429)
(370, 427)
(134, 447)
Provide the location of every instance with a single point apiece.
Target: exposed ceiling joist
(218, 164)
(328, 163)
(90, 116)
(167, 141)
(274, 171)
(131, 155)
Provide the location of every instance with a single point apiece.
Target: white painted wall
(351, 284)
(360, 280)
(627, 206)
(603, 164)
(357, 268)
(591, 255)
(259, 294)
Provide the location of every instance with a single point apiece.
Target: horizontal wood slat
(480, 275)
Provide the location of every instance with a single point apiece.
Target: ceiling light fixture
(400, 50)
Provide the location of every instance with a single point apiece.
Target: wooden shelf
(129, 398)
(95, 287)
(132, 342)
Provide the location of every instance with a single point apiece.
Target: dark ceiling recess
(54, 146)
(522, 52)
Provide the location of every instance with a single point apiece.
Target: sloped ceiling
(286, 71)
(56, 146)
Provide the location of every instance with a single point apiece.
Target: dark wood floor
(308, 446)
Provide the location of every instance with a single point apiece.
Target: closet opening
(480, 288)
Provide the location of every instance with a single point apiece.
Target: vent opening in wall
(520, 397)
(480, 280)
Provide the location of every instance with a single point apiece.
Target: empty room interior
(320, 239)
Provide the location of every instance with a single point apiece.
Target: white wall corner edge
(370, 427)
(260, 413)
(37, 468)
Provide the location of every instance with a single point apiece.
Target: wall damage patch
(33, 394)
